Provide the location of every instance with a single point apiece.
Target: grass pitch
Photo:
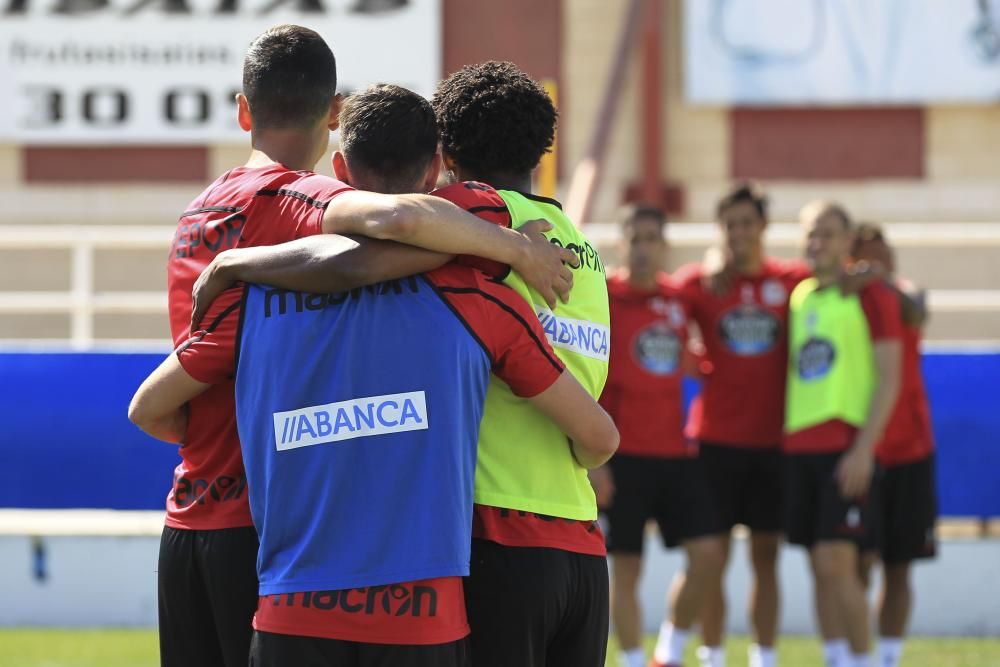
(32, 647)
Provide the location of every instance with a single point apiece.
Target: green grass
(30, 647)
(805, 652)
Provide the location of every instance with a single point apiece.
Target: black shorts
(673, 492)
(908, 512)
(207, 581)
(274, 650)
(815, 511)
(536, 607)
(745, 484)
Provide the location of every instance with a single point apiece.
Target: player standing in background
(738, 417)
(206, 581)
(656, 473)
(844, 373)
(907, 494)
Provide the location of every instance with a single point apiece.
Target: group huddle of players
(387, 401)
(402, 417)
(812, 425)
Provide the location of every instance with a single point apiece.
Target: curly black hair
(494, 119)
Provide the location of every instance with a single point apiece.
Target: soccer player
(908, 499)
(206, 581)
(538, 590)
(845, 357)
(656, 472)
(738, 417)
(364, 607)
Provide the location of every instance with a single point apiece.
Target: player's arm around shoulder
(159, 406)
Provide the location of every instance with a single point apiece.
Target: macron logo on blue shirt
(345, 420)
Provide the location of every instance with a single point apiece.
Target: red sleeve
(687, 282)
(881, 306)
(285, 212)
(209, 354)
(484, 202)
(504, 324)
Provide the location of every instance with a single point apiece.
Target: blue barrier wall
(66, 442)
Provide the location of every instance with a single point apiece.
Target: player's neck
(750, 264)
(285, 147)
(641, 282)
(826, 276)
(516, 182)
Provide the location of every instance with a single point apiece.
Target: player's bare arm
(590, 429)
(912, 302)
(854, 472)
(433, 223)
(159, 405)
(320, 264)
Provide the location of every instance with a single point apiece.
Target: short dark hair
(494, 119)
(631, 212)
(746, 192)
(391, 133)
(822, 208)
(289, 78)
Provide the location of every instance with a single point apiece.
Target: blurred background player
(907, 494)
(845, 358)
(656, 473)
(738, 417)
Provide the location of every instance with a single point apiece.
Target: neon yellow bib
(524, 460)
(831, 369)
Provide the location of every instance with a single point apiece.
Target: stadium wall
(96, 581)
(71, 408)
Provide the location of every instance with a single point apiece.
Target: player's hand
(860, 275)
(212, 282)
(717, 271)
(604, 485)
(854, 472)
(543, 264)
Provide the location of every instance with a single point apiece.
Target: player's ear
(334, 121)
(243, 112)
(340, 168)
(449, 162)
(433, 171)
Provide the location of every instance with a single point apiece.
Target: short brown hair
(745, 192)
(391, 132)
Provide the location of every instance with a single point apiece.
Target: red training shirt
(643, 393)
(909, 436)
(243, 207)
(745, 333)
(881, 307)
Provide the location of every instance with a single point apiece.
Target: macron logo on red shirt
(345, 420)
